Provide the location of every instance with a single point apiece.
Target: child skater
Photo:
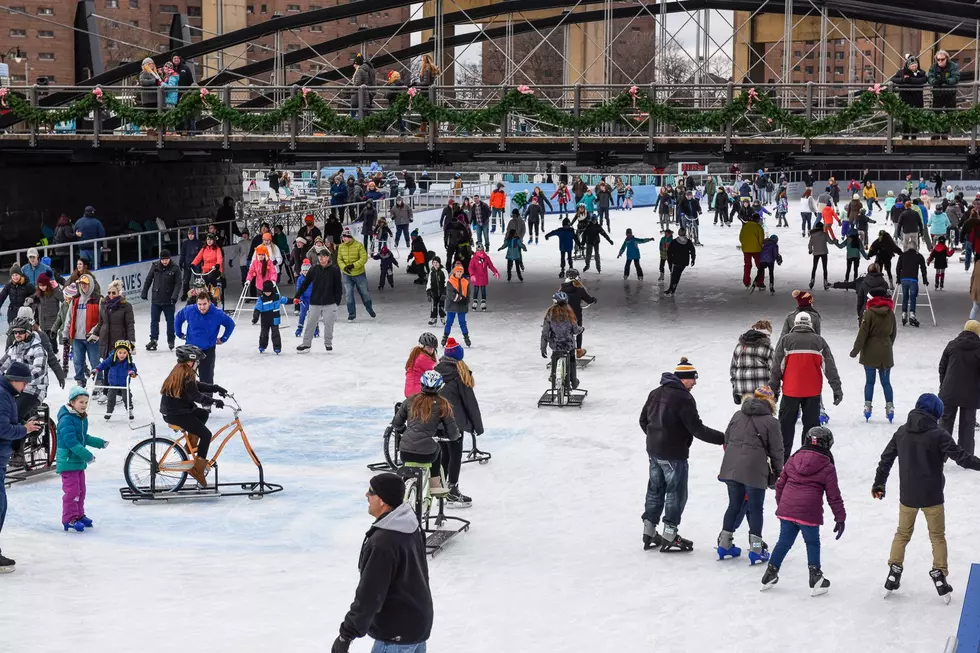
(768, 260)
(388, 263)
(665, 242)
(559, 331)
(304, 300)
(567, 239)
(855, 252)
(382, 232)
(480, 267)
(632, 248)
(782, 208)
(261, 270)
(862, 223)
(457, 303)
(939, 258)
(435, 290)
(806, 477)
(828, 215)
(514, 246)
(73, 457)
(118, 368)
(268, 307)
(563, 196)
(628, 202)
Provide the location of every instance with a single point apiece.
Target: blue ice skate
(758, 550)
(299, 331)
(86, 522)
(261, 350)
(75, 525)
(890, 411)
(726, 547)
(867, 411)
(824, 417)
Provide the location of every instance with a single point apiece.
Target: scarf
(113, 303)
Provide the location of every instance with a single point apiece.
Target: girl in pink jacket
(261, 270)
(480, 264)
(420, 360)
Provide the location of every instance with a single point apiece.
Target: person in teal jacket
(73, 457)
(632, 248)
(514, 246)
(588, 200)
(855, 252)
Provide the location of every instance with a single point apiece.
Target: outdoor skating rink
(553, 560)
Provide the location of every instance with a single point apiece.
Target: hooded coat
(671, 421)
(753, 445)
(480, 266)
(910, 85)
(119, 323)
(876, 335)
(466, 409)
(419, 437)
(751, 362)
(559, 335)
(959, 371)
(800, 361)
(577, 294)
(807, 476)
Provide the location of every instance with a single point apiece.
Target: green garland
(623, 108)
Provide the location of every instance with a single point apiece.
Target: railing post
(294, 121)
(809, 113)
(160, 128)
(502, 145)
(71, 255)
(890, 131)
(576, 110)
(139, 248)
(730, 95)
(226, 124)
(431, 131)
(96, 127)
(651, 128)
(118, 252)
(159, 241)
(976, 100)
(361, 101)
(96, 255)
(33, 94)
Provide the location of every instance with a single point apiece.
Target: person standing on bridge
(910, 79)
(944, 75)
(185, 77)
(89, 227)
(364, 75)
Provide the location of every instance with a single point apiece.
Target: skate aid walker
(156, 468)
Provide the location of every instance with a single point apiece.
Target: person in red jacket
(498, 202)
(210, 259)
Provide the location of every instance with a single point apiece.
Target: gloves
(839, 529)
(221, 391)
(296, 300)
(838, 397)
(348, 267)
(738, 398)
(544, 354)
(92, 337)
(91, 460)
(878, 491)
(340, 645)
(926, 283)
(61, 382)
(428, 295)
(218, 403)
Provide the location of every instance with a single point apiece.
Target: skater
(479, 217)
(603, 200)
(268, 305)
(418, 259)
(560, 330)
(671, 421)
(851, 212)
(752, 462)
(939, 258)
(861, 225)
(910, 263)
(49, 300)
(804, 304)
(911, 227)
(782, 208)
(516, 225)
(352, 259)
(922, 447)
(594, 231)
(751, 237)
(480, 268)
(722, 205)
(855, 252)
(806, 477)
(188, 252)
(664, 205)
(18, 290)
(117, 320)
(180, 394)
(457, 388)
(632, 248)
(262, 269)
(563, 196)
(27, 347)
(535, 216)
(959, 384)
(73, 457)
(421, 359)
(386, 272)
(628, 202)
(577, 293)
(435, 291)
(882, 250)
(401, 216)
(690, 212)
(164, 279)
(828, 215)
(498, 203)
(819, 238)
(82, 326)
(751, 361)
(420, 420)
(207, 327)
(769, 258)
(457, 303)
(665, 242)
(870, 195)
(875, 342)
(567, 240)
(680, 254)
(939, 223)
(304, 301)
(801, 360)
(117, 370)
(210, 260)
(325, 287)
(514, 245)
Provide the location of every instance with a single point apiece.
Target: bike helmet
(560, 298)
(571, 274)
(189, 353)
(819, 436)
(428, 340)
(432, 382)
(22, 324)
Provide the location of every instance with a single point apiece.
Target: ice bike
(392, 439)
(39, 450)
(562, 394)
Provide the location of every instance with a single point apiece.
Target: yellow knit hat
(973, 326)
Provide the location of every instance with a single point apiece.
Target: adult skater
(959, 384)
(752, 237)
(458, 390)
(27, 348)
(165, 281)
(801, 359)
(352, 259)
(911, 227)
(882, 250)
(875, 342)
(910, 263)
(631, 247)
(81, 327)
(326, 292)
(567, 239)
(392, 603)
(752, 360)
(680, 254)
(594, 231)
(207, 327)
(577, 293)
(603, 200)
(671, 421)
(421, 419)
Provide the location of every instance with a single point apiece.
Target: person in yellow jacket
(870, 194)
(751, 237)
(352, 259)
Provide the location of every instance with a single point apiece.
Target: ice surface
(553, 561)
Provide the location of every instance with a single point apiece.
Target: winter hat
(89, 210)
(268, 286)
(308, 219)
(300, 241)
(70, 291)
(148, 61)
(973, 326)
(18, 372)
(629, 233)
(116, 284)
(415, 233)
(685, 370)
(389, 487)
(43, 279)
(15, 269)
(346, 233)
(263, 250)
(76, 392)
(803, 298)
(931, 404)
(515, 213)
(32, 252)
(803, 319)
(46, 260)
(267, 236)
(910, 59)
(25, 312)
(164, 253)
(453, 350)
(458, 266)
(385, 251)
(890, 193)
(766, 394)
(305, 267)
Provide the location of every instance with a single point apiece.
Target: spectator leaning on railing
(944, 75)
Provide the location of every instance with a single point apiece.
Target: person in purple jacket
(806, 477)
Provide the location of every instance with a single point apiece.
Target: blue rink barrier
(968, 633)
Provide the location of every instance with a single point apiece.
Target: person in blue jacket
(88, 227)
(632, 248)
(268, 305)
(338, 193)
(567, 239)
(118, 368)
(207, 327)
(304, 300)
(35, 267)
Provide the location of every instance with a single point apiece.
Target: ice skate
(826, 285)
(561, 273)
(726, 546)
(905, 318)
(107, 416)
(894, 580)
(824, 417)
(811, 284)
(132, 417)
(151, 345)
(432, 322)
(6, 565)
(867, 411)
(476, 304)
(661, 277)
(535, 240)
(944, 588)
(914, 322)
(770, 578)
(456, 499)
(303, 348)
(639, 277)
(466, 339)
(890, 411)
(673, 542)
(442, 320)
(299, 332)
(261, 350)
(483, 305)
(818, 584)
(772, 290)
(651, 538)
(758, 550)
(74, 525)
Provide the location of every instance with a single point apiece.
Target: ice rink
(554, 560)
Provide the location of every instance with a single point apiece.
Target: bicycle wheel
(49, 442)
(140, 466)
(392, 442)
(560, 380)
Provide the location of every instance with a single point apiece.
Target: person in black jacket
(909, 81)
(671, 421)
(959, 384)
(164, 278)
(593, 231)
(458, 390)
(393, 602)
(325, 297)
(446, 220)
(910, 263)
(922, 447)
(577, 293)
(680, 254)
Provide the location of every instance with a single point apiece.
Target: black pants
(205, 370)
(636, 264)
(720, 214)
(533, 228)
(663, 262)
(111, 395)
(604, 213)
(26, 403)
(590, 250)
(264, 337)
(675, 276)
(788, 407)
(761, 281)
(452, 457)
(511, 265)
(438, 307)
(851, 262)
(886, 267)
(194, 423)
(386, 276)
(565, 256)
(434, 458)
(563, 209)
(818, 259)
(968, 418)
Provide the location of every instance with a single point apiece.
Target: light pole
(18, 57)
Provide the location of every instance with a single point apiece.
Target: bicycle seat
(174, 427)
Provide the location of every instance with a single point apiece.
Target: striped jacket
(31, 352)
(801, 360)
(751, 362)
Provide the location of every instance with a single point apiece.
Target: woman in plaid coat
(752, 360)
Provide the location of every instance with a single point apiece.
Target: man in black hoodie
(671, 421)
(328, 290)
(594, 231)
(577, 294)
(393, 602)
(922, 447)
(959, 383)
(910, 225)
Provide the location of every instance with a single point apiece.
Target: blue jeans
(481, 292)
(886, 383)
(974, 310)
(481, 233)
(910, 291)
(360, 283)
(79, 350)
(806, 218)
(666, 490)
(967, 254)
(451, 317)
(401, 229)
(168, 312)
(788, 531)
(392, 647)
(737, 493)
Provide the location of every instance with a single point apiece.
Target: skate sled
(561, 394)
(442, 528)
(581, 362)
(392, 460)
(39, 451)
(156, 469)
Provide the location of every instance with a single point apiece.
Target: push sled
(561, 394)
(40, 449)
(580, 363)
(156, 469)
(392, 460)
(442, 528)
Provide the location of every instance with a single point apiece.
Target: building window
(51, 79)
(263, 9)
(797, 53)
(838, 70)
(112, 4)
(353, 19)
(17, 33)
(45, 56)
(15, 10)
(867, 53)
(163, 27)
(250, 9)
(18, 79)
(316, 28)
(315, 7)
(839, 55)
(168, 9)
(134, 4)
(45, 34)
(809, 70)
(293, 8)
(134, 23)
(193, 12)
(796, 69)
(292, 47)
(809, 55)
(45, 11)
(293, 68)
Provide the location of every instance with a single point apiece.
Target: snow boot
(151, 345)
(905, 318)
(86, 522)
(939, 580)
(198, 471)
(894, 580)
(456, 499)
(758, 550)
(466, 339)
(674, 542)
(651, 538)
(302, 348)
(890, 411)
(483, 305)
(818, 584)
(74, 525)
(726, 546)
(579, 353)
(770, 578)
(445, 338)
(914, 322)
(867, 411)
(6, 565)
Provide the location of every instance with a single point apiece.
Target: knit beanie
(973, 326)
(453, 350)
(685, 369)
(268, 286)
(15, 269)
(305, 267)
(766, 394)
(18, 371)
(70, 291)
(803, 298)
(26, 312)
(43, 279)
(76, 392)
(931, 404)
(389, 487)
